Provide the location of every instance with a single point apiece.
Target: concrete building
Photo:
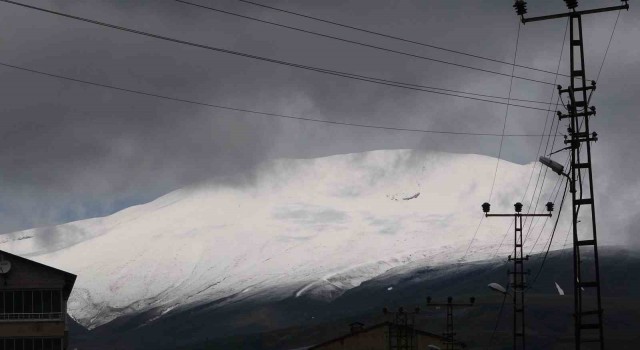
(33, 304)
(384, 336)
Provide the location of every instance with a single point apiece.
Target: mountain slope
(294, 323)
(313, 227)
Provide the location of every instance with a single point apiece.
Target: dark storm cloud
(70, 150)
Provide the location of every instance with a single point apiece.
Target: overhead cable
(531, 221)
(238, 109)
(608, 45)
(535, 161)
(357, 42)
(555, 226)
(495, 328)
(495, 174)
(396, 37)
(506, 113)
(241, 54)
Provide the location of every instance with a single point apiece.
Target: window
(46, 301)
(56, 301)
(17, 302)
(8, 302)
(28, 301)
(31, 343)
(31, 304)
(37, 301)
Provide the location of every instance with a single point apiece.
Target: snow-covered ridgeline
(307, 227)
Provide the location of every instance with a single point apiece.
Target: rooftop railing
(47, 316)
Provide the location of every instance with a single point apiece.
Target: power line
(473, 238)
(551, 195)
(568, 157)
(537, 201)
(531, 222)
(535, 187)
(503, 238)
(556, 223)
(495, 174)
(506, 114)
(540, 193)
(588, 316)
(495, 328)
(546, 219)
(423, 87)
(544, 177)
(356, 42)
(608, 45)
(566, 238)
(564, 38)
(555, 198)
(555, 226)
(396, 37)
(285, 63)
(237, 109)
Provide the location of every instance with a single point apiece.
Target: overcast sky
(70, 151)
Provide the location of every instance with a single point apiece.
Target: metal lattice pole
(588, 325)
(517, 276)
(401, 332)
(518, 283)
(449, 334)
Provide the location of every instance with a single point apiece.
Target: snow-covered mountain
(305, 227)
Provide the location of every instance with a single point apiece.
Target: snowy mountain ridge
(302, 228)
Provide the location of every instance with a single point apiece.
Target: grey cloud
(69, 151)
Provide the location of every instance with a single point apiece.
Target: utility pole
(517, 276)
(449, 334)
(588, 326)
(401, 333)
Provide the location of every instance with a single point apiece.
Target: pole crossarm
(575, 13)
(517, 214)
(450, 302)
